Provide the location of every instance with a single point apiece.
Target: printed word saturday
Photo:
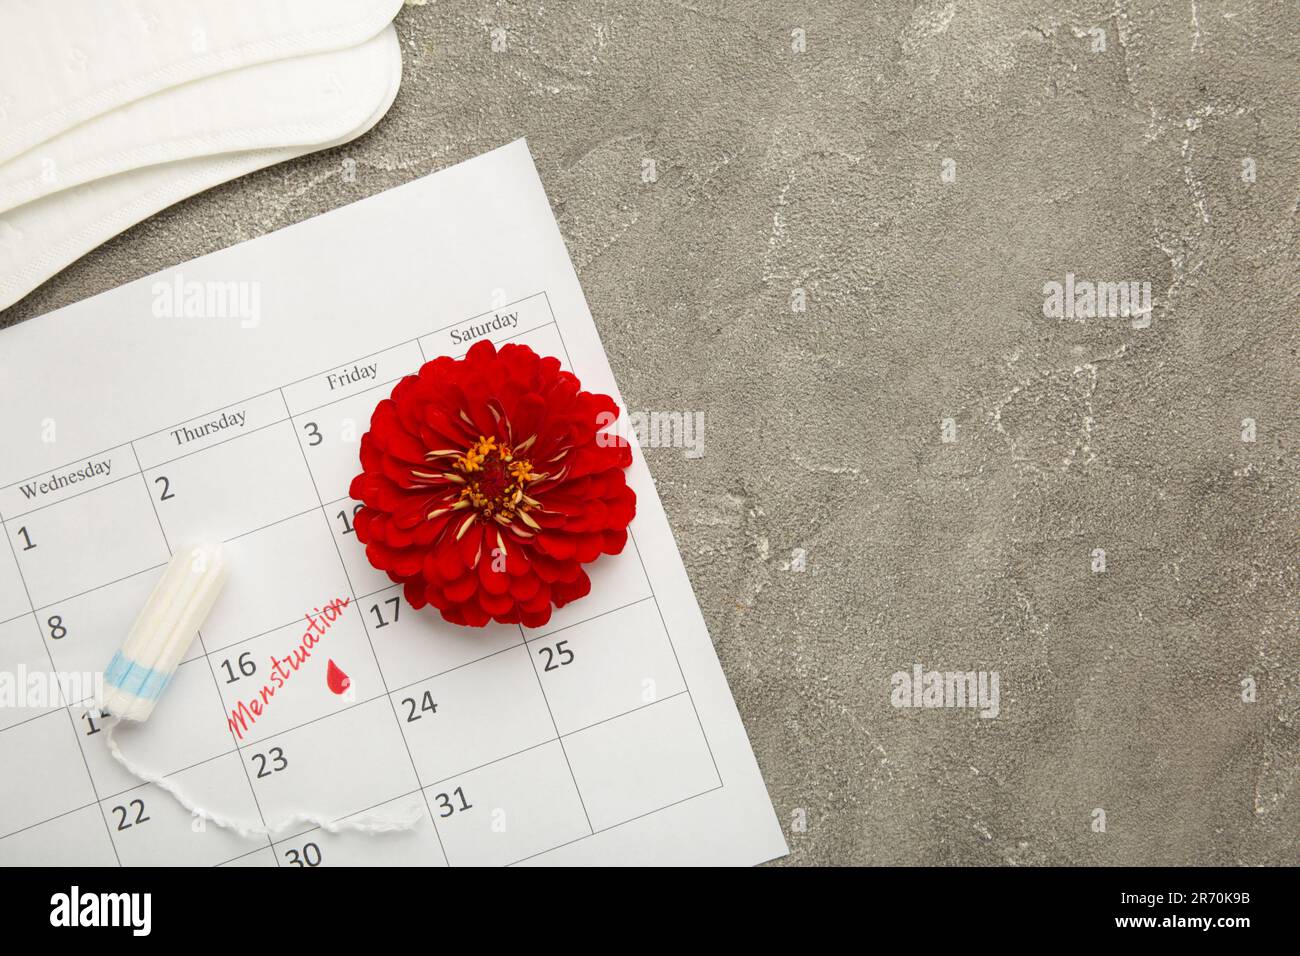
(246, 713)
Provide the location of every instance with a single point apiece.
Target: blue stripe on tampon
(154, 684)
(143, 682)
(117, 669)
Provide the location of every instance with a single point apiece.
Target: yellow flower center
(495, 481)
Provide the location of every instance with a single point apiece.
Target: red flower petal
(505, 407)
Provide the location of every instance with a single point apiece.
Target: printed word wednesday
(246, 713)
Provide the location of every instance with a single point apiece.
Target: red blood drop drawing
(337, 680)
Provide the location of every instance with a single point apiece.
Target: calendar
(224, 400)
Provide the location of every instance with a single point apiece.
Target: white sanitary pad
(62, 63)
(41, 237)
(300, 101)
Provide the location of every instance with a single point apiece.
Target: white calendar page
(607, 736)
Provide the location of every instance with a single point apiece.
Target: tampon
(140, 671)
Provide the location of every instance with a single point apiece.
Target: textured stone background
(821, 170)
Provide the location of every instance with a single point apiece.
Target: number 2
(167, 494)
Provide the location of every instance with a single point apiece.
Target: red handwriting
(247, 712)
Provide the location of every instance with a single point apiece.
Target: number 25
(561, 651)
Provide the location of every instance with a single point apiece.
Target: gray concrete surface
(821, 170)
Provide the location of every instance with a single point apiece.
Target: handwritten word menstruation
(246, 713)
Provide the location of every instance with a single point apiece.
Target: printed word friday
(246, 713)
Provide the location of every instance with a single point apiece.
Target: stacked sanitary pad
(111, 110)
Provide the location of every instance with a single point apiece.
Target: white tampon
(140, 671)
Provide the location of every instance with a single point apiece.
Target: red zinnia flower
(487, 482)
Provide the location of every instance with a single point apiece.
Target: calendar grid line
(370, 594)
(366, 629)
(551, 740)
(416, 340)
(588, 620)
(394, 690)
(271, 524)
(140, 469)
(153, 505)
(496, 760)
(71, 497)
(451, 670)
(377, 387)
(99, 587)
(671, 644)
(173, 773)
(174, 425)
(621, 823)
(542, 687)
(57, 816)
(72, 725)
(28, 720)
(424, 787)
(224, 441)
(257, 849)
(645, 571)
(510, 338)
(245, 400)
(261, 815)
(155, 567)
(550, 713)
(625, 713)
(401, 733)
(291, 416)
(613, 826)
(254, 637)
(262, 741)
(53, 669)
(238, 748)
(353, 813)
